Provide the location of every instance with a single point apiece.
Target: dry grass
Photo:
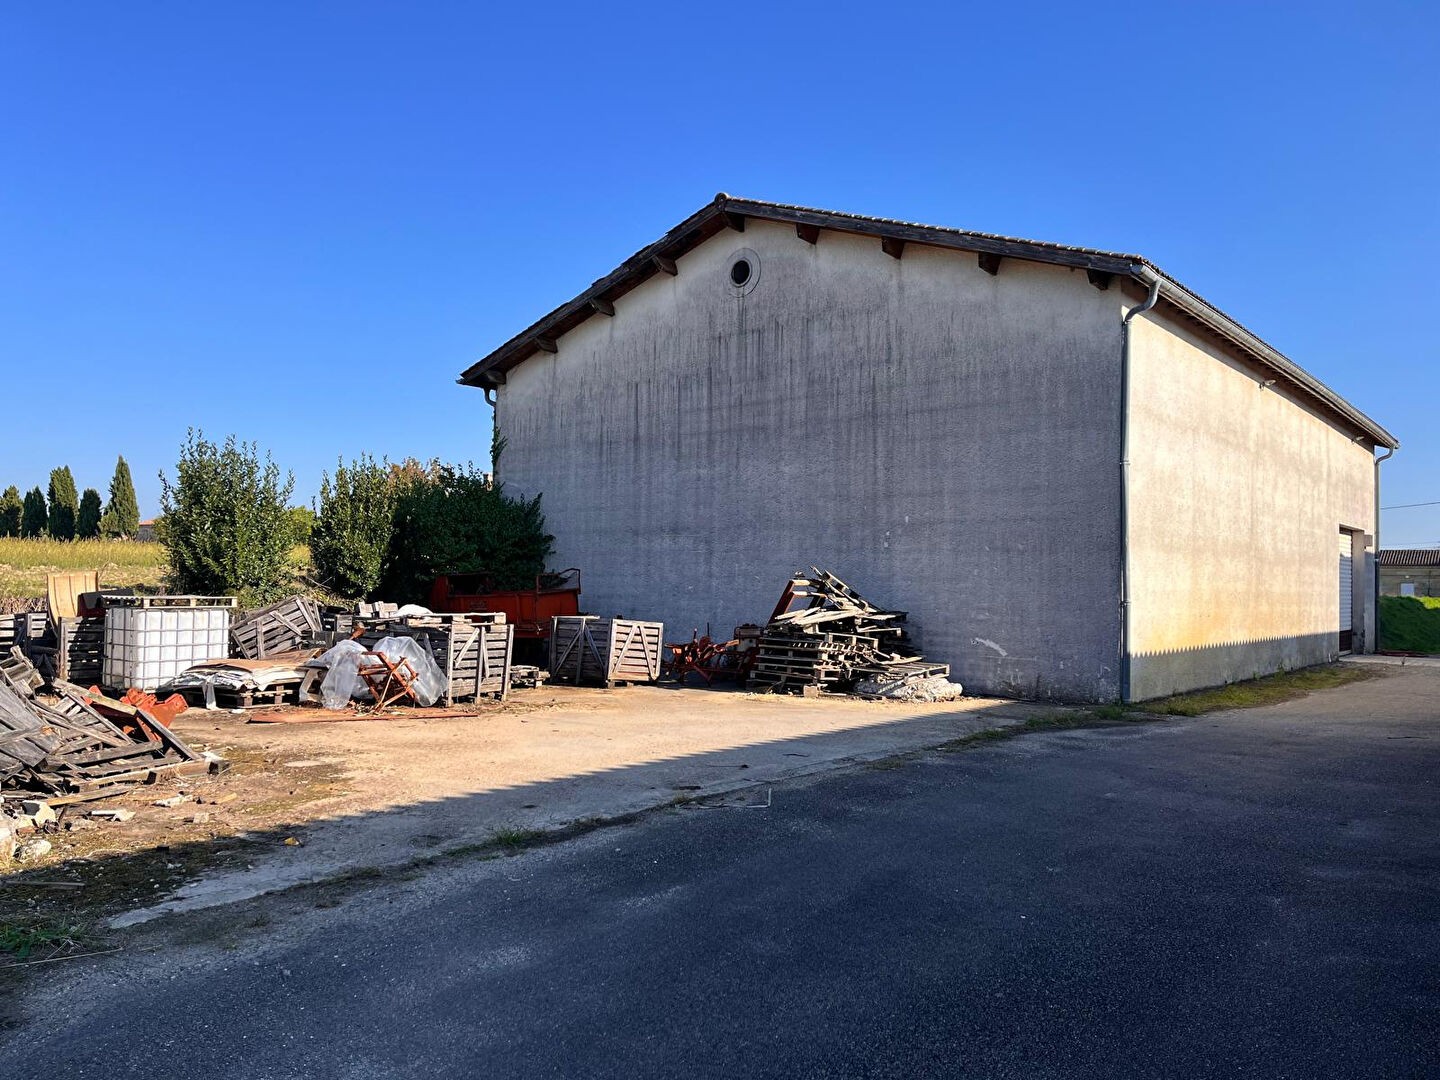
(25, 563)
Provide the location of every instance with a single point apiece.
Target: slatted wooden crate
(10, 632)
(80, 649)
(291, 624)
(473, 650)
(587, 648)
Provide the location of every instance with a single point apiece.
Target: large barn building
(1081, 480)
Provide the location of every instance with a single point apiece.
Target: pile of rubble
(837, 640)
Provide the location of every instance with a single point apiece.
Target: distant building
(145, 530)
(1080, 479)
(1410, 572)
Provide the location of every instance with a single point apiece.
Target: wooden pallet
(291, 624)
(128, 600)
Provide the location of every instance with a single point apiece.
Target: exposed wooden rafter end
(809, 233)
(666, 265)
(545, 344)
(735, 221)
(603, 306)
(990, 263)
(892, 246)
(1100, 278)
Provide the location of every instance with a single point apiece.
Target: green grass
(1410, 623)
(24, 564)
(1252, 693)
(23, 938)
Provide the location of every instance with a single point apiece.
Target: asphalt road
(1252, 894)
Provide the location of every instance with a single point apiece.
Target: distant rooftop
(1410, 556)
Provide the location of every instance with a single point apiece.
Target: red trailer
(530, 610)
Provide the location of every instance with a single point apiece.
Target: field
(24, 563)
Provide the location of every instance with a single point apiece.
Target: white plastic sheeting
(342, 682)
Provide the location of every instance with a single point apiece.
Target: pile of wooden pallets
(832, 639)
(587, 648)
(472, 650)
(72, 753)
(292, 624)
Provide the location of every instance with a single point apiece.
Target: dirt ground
(301, 802)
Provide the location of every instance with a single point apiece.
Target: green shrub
(352, 530)
(301, 523)
(227, 528)
(451, 518)
(1410, 623)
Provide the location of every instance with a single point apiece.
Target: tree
(33, 516)
(353, 526)
(454, 519)
(11, 510)
(87, 518)
(226, 521)
(64, 503)
(122, 512)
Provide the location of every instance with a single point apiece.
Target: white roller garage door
(1347, 585)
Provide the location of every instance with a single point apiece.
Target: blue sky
(299, 222)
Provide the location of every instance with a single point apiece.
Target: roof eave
(1217, 321)
(719, 214)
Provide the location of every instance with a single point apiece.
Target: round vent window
(742, 271)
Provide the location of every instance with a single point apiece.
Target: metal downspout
(1125, 628)
(1375, 584)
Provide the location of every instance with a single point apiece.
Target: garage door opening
(1347, 592)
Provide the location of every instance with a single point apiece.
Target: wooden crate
(80, 649)
(10, 632)
(291, 624)
(587, 648)
(473, 650)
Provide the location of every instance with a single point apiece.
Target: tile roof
(1409, 557)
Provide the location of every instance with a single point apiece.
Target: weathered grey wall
(1238, 494)
(945, 440)
(1424, 579)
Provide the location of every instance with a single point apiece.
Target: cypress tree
(32, 517)
(64, 503)
(122, 513)
(11, 509)
(87, 520)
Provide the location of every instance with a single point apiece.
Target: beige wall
(1237, 494)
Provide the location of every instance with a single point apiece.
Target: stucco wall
(1238, 494)
(945, 440)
